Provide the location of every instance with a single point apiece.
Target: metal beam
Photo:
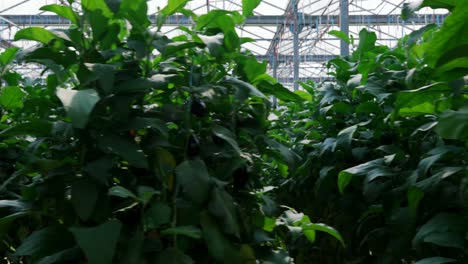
(296, 29)
(344, 26)
(272, 21)
(290, 80)
(302, 58)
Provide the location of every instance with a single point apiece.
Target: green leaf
(173, 6)
(157, 215)
(136, 11)
(100, 169)
(104, 73)
(248, 7)
(434, 180)
(64, 256)
(341, 35)
(453, 124)
(435, 260)
(121, 192)
(444, 230)
(84, 195)
(13, 206)
(245, 89)
(135, 248)
(345, 137)
(38, 128)
(213, 43)
(420, 101)
(194, 179)
(124, 147)
(188, 231)
(63, 11)
(409, 8)
(173, 256)
(45, 242)
(79, 104)
(11, 97)
(219, 247)
(345, 177)
(366, 42)
(228, 136)
(99, 243)
(434, 155)
(222, 206)
(451, 41)
(279, 91)
(8, 56)
(251, 70)
(310, 234)
(323, 228)
(97, 6)
(414, 198)
(38, 34)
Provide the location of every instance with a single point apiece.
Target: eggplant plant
(386, 149)
(139, 148)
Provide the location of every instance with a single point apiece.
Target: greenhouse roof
(291, 35)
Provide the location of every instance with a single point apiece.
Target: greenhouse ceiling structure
(292, 36)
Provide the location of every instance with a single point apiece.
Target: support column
(297, 28)
(344, 26)
(274, 64)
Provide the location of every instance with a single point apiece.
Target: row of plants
(138, 148)
(385, 149)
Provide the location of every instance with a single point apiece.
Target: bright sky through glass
(315, 42)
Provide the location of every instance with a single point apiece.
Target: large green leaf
(157, 215)
(453, 124)
(409, 8)
(79, 104)
(444, 230)
(435, 260)
(135, 248)
(222, 206)
(63, 11)
(228, 136)
(188, 231)
(288, 155)
(366, 42)
(136, 11)
(279, 91)
(422, 100)
(193, 177)
(64, 256)
(323, 228)
(345, 176)
(84, 195)
(99, 243)
(124, 147)
(98, 15)
(248, 6)
(38, 128)
(121, 192)
(345, 137)
(11, 97)
(173, 6)
(341, 35)
(451, 41)
(97, 6)
(173, 256)
(8, 56)
(45, 242)
(219, 247)
(35, 34)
